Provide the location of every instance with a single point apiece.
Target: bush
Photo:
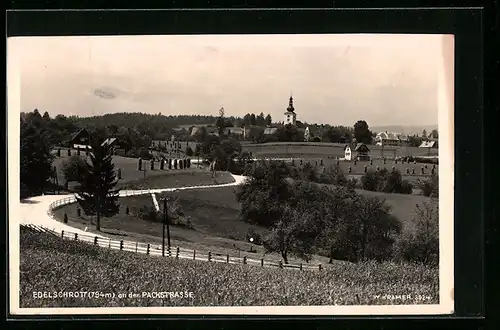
(65, 217)
(422, 244)
(385, 181)
(189, 151)
(127, 211)
(257, 238)
(430, 186)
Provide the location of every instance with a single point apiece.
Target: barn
(81, 139)
(362, 152)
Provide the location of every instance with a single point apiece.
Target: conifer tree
(96, 194)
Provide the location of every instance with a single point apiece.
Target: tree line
(303, 217)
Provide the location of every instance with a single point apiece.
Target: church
(290, 115)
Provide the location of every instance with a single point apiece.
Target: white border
(446, 187)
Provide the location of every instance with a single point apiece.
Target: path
(36, 210)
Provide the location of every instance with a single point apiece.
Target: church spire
(290, 104)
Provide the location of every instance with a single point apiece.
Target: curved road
(35, 210)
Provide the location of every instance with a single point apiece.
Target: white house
(307, 135)
(391, 139)
(347, 153)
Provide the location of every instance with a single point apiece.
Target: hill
(410, 130)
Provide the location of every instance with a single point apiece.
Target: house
(109, 142)
(81, 139)
(391, 139)
(270, 130)
(429, 144)
(362, 151)
(307, 135)
(234, 131)
(347, 152)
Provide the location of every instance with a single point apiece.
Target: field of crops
(49, 264)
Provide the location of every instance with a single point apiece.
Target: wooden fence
(174, 252)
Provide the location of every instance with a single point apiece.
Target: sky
(334, 79)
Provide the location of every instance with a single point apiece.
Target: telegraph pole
(165, 223)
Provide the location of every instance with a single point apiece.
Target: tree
(424, 133)
(333, 134)
(269, 120)
(434, 134)
(289, 133)
(263, 193)
(73, 167)
(294, 232)
(253, 120)
(362, 132)
(35, 157)
(368, 231)
(96, 194)
(46, 116)
(220, 124)
(422, 243)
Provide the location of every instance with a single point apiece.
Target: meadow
(325, 150)
(51, 264)
(214, 213)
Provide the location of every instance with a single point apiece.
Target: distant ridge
(410, 130)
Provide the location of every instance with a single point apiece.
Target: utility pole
(165, 223)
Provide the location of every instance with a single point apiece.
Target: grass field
(325, 150)
(214, 212)
(50, 264)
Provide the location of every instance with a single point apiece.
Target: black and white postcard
(231, 174)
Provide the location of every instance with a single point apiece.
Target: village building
(81, 139)
(362, 151)
(391, 139)
(111, 142)
(347, 153)
(307, 134)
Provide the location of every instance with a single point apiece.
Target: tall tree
(434, 134)
(253, 120)
(96, 194)
(269, 120)
(424, 133)
(35, 159)
(220, 123)
(362, 132)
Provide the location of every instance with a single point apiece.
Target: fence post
(262, 262)
(244, 260)
(109, 244)
(227, 258)
(76, 236)
(136, 246)
(177, 253)
(300, 266)
(209, 255)
(281, 264)
(320, 267)
(194, 254)
(121, 245)
(62, 234)
(95, 240)
(147, 251)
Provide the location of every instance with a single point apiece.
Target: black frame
(465, 24)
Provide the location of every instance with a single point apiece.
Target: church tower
(290, 115)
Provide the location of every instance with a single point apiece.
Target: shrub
(189, 151)
(422, 244)
(65, 217)
(430, 186)
(127, 211)
(257, 238)
(385, 181)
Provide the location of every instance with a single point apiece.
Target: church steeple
(290, 105)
